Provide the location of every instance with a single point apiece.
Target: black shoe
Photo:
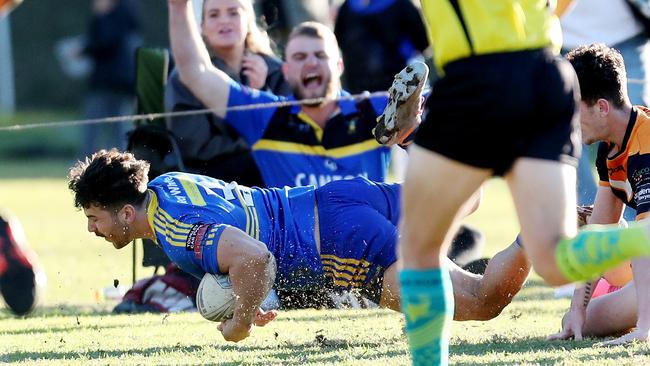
(18, 275)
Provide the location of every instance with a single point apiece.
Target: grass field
(75, 327)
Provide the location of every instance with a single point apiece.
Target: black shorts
(489, 110)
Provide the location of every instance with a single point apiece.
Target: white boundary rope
(152, 116)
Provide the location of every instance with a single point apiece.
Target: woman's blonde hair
(257, 40)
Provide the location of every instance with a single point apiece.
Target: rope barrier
(152, 116)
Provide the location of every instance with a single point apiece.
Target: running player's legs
(480, 120)
(423, 232)
(545, 199)
(431, 214)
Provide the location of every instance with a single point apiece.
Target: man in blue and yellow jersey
(339, 236)
(623, 163)
(505, 105)
(299, 145)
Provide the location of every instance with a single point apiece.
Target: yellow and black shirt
(463, 28)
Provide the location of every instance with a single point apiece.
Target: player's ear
(127, 214)
(603, 107)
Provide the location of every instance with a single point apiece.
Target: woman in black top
(243, 51)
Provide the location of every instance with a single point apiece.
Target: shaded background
(36, 26)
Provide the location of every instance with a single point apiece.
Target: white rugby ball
(215, 298)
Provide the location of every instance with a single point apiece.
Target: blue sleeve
(250, 123)
(203, 240)
(379, 104)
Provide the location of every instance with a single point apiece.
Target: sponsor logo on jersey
(194, 242)
(175, 190)
(319, 180)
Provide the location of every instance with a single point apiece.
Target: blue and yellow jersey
(462, 28)
(627, 171)
(291, 149)
(189, 212)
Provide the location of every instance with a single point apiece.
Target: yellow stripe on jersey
(151, 209)
(256, 221)
(308, 120)
(346, 260)
(252, 220)
(175, 231)
(168, 218)
(343, 282)
(341, 267)
(339, 282)
(463, 28)
(339, 152)
(345, 276)
(345, 271)
(193, 192)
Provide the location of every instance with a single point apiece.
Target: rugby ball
(215, 298)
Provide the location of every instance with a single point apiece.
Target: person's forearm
(190, 54)
(582, 296)
(251, 279)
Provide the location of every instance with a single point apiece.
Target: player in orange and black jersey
(625, 168)
(623, 164)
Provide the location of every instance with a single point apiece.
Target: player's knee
(541, 249)
(548, 270)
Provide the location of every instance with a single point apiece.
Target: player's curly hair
(601, 73)
(109, 179)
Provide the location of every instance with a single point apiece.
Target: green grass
(72, 327)
(39, 142)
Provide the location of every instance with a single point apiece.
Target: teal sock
(599, 248)
(428, 306)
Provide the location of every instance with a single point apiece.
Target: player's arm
(608, 209)
(251, 268)
(206, 82)
(484, 297)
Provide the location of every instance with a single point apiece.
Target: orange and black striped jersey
(627, 171)
(463, 28)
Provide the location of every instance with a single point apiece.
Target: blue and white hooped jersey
(189, 212)
(291, 149)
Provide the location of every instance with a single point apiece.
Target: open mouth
(312, 81)
(225, 31)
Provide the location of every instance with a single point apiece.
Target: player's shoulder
(641, 133)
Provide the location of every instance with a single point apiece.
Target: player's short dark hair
(601, 73)
(109, 179)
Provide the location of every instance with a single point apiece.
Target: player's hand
(263, 318)
(572, 323)
(234, 331)
(255, 69)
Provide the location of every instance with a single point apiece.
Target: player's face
(312, 68)
(224, 24)
(592, 123)
(106, 223)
